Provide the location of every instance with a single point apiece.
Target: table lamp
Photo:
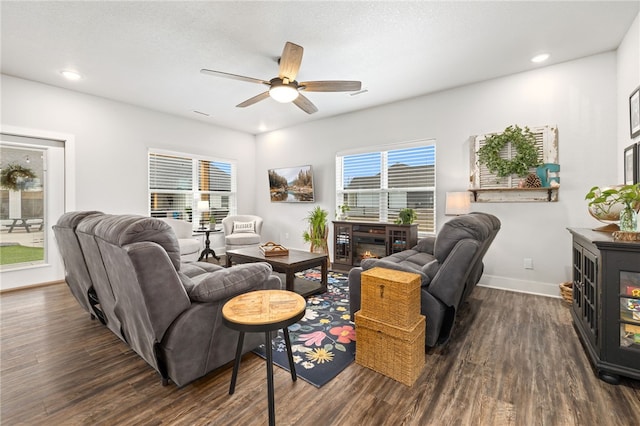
(203, 206)
(457, 203)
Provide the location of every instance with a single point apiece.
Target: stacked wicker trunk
(390, 329)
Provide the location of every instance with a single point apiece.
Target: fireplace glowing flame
(368, 255)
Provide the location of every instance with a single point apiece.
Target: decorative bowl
(607, 212)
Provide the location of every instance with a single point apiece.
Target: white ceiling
(150, 53)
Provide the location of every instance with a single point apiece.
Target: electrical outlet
(528, 263)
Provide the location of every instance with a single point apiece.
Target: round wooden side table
(264, 311)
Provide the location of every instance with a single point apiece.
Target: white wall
(111, 143)
(581, 97)
(628, 80)
(112, 140)
(578, 96)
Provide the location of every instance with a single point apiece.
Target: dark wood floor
(514, 360)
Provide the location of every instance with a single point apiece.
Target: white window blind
(217, 186)
(377, 185)
(178, 181)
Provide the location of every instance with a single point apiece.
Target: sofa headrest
(72, 219)
(126, 229)
(472, 226)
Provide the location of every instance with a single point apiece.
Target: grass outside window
(12, 254)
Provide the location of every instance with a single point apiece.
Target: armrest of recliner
(426, 244)
(448, 284)
(230, 282)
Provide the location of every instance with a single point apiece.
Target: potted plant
(406, 216)
(318, 230)
(342, 213)
(14, 176)
(619, 203)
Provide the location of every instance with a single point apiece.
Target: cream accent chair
(190, 246)
(238, 232)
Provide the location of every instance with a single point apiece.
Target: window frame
(383, 191)
(195, 193)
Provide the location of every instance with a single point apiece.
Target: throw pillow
(240, 227)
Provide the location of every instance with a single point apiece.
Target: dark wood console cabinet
(606, 302)
(354, 241)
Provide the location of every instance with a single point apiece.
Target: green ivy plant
(524, 142)
(604, 198)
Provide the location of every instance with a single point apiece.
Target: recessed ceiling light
(540, 58)
(71, 75)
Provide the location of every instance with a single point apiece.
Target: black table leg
(236, 365)
(207, 250)
(287, 342)
(270, 391)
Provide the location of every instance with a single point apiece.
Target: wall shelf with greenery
(516, 165)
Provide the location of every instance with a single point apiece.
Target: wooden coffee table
(295, 261)
(264, 311)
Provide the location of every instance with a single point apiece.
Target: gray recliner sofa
(168, 312)
(76, 273)
(449, 264)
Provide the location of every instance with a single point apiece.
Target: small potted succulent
(342, 212)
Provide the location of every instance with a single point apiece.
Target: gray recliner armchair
(168, 312)
(449, 265)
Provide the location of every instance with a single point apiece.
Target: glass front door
(22, 207)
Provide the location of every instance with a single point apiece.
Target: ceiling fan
(284, 87)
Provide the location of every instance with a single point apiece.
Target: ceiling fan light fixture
(283, 92)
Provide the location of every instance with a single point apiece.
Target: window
(178, 181)
(376, 185)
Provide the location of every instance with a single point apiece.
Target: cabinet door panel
(621, 280)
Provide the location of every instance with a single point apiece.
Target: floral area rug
(323, 342)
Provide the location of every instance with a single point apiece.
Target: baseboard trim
(521, 286)
(26, 287)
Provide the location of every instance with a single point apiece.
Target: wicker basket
(396, 352)
(391, 296)
(566, 291)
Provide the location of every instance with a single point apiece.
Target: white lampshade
(203, 206)
(457, 203)
(283, 93)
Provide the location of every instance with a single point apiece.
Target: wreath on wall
(524, 142)
(13, 175)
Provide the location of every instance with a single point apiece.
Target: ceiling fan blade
(233, 76)
(305, 104)
(255, 99)
(290, 61)
(330, 86)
